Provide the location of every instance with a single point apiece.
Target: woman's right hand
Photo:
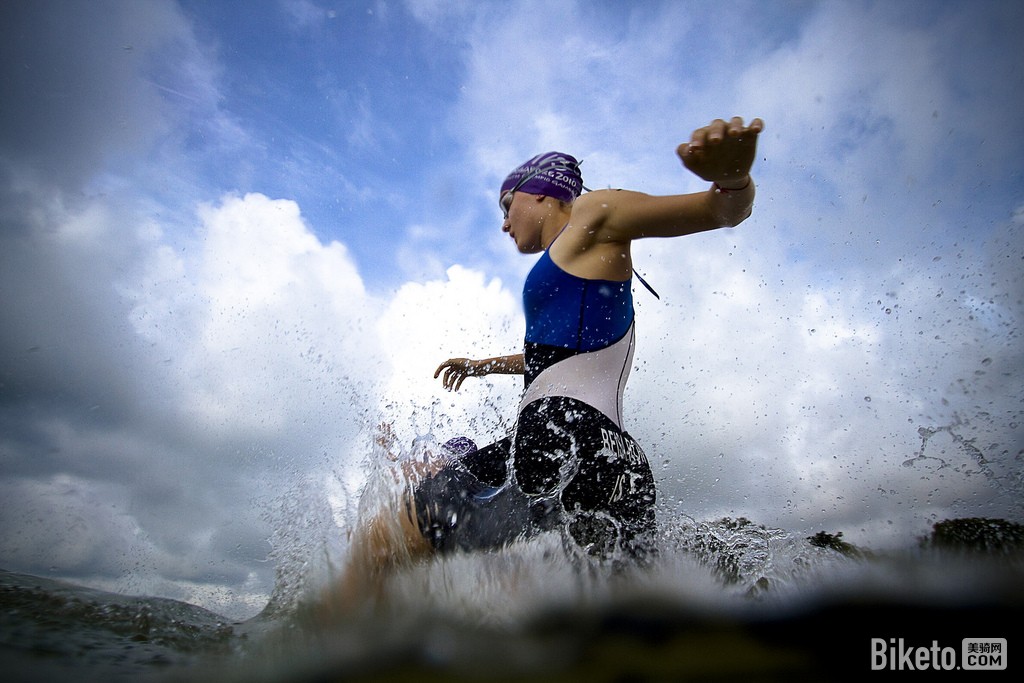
(722, 152)
(456, 370)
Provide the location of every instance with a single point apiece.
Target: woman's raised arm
(721, 153)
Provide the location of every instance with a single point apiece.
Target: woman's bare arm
(456, 370)
(721, 153)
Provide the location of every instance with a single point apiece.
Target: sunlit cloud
(218, 274)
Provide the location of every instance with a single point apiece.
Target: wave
(726, 599)
(51, 630)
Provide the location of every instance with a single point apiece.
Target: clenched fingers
(715, 132)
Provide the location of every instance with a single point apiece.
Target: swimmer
(569, 465)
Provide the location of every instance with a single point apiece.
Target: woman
(569, 463)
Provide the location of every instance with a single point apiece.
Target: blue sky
(234, 236)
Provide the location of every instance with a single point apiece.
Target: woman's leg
(391, 538)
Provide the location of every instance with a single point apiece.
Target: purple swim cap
(552, 174)
(459, 446)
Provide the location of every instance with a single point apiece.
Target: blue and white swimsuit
(579, 338)
(568, 463)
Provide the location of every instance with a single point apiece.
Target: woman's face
(523, 221)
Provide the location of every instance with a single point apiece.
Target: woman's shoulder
(584, 248)
(597, 197)
(592, 213)
(592, 209)
(604, 202)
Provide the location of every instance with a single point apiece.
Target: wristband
(721, 190)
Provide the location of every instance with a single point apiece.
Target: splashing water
(724, 598)
(965, 457)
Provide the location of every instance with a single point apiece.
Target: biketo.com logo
(976, 654)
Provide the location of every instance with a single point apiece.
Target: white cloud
(257, 359)
(798, 403)
(427, 323)
(838, 361)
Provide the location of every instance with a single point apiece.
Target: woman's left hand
(722, 152)
(456, 370)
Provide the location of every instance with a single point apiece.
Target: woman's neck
(555, 222)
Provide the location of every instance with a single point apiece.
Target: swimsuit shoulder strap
(644, 283)
(557, 236)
